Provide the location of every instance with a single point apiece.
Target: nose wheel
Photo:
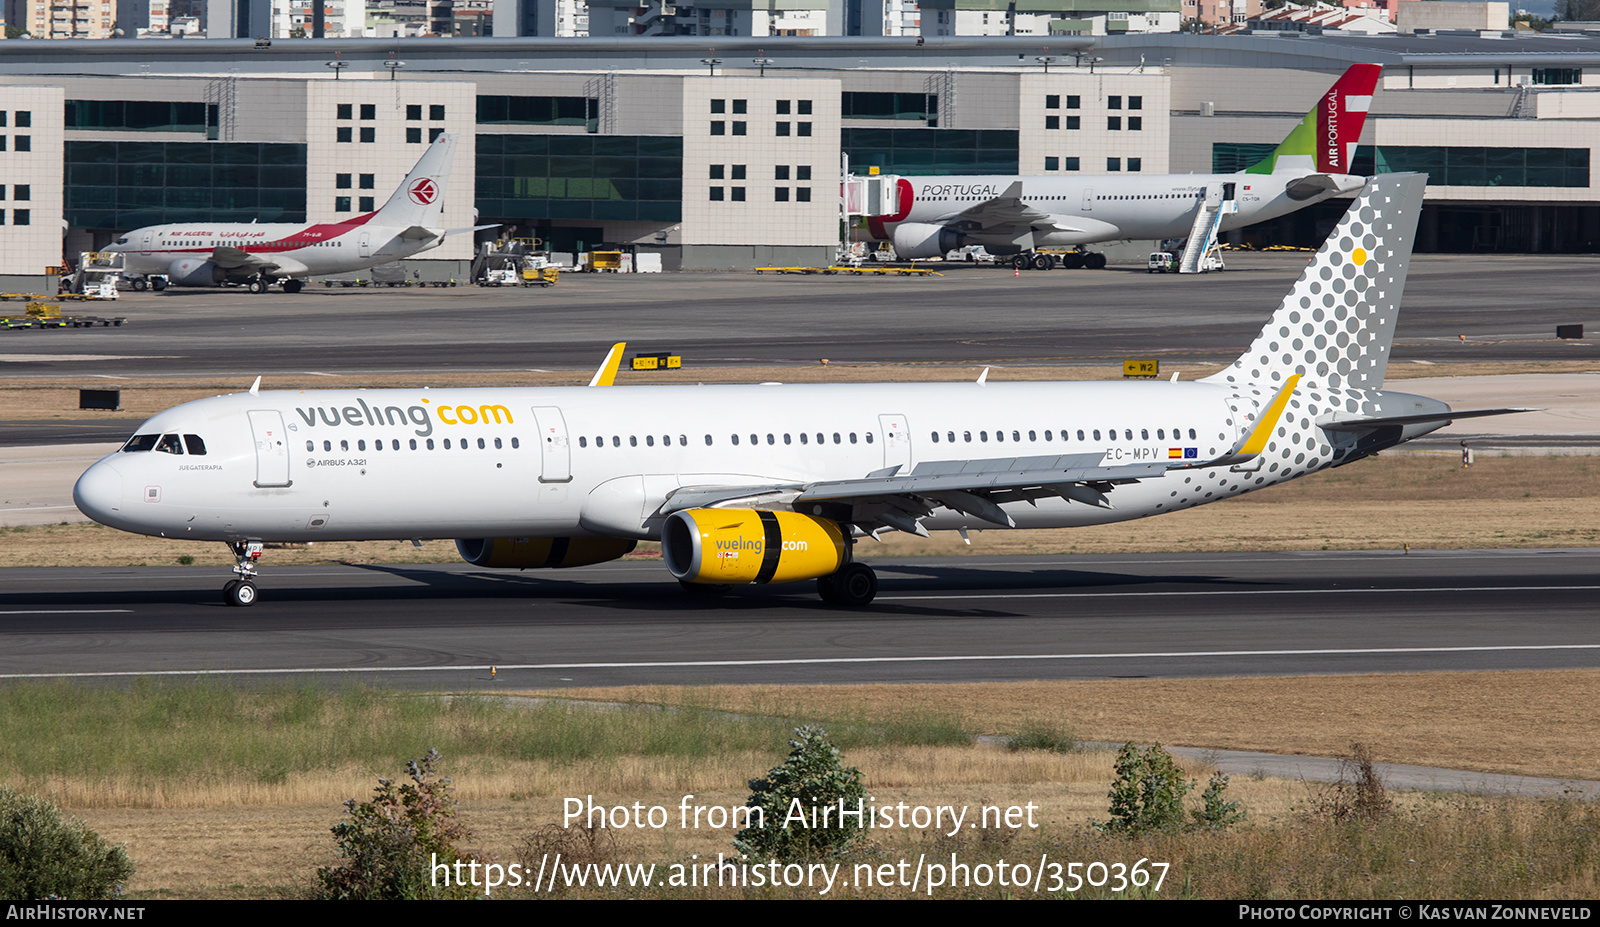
(242, 592)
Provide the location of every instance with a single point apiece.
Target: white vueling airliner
(212, 253)
(773, 483)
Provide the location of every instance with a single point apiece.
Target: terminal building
(731, 157)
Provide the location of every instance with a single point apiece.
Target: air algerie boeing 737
(1016, 215)
(774, 483)
(210, 254)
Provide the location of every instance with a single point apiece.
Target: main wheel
(1042, 262)
(856, 585)
(158, 284)
(292, 286)
(1072, 260)
(1095, 261)
(139, 286)
(1021, 262)
(257, 286)
(828, 589)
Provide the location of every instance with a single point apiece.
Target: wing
(975, 487)
(234, 260)
(1007, 218)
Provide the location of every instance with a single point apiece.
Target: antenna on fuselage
(255, 387)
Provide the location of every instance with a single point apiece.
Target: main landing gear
(1070, 260)
(241, 592)
(854, 586)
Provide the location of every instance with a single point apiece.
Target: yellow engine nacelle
(542, 552)
(735, 546)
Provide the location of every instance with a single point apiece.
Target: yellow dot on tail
(1359, 255)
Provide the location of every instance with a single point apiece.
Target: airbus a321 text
(211, 254)
(774, 483)
(1011, 215)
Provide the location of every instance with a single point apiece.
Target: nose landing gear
(242, 592)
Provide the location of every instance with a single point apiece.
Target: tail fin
(1325, 141)
(419, 200)
(1335, 327)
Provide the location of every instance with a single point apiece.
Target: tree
(43, 855)
(800, 803)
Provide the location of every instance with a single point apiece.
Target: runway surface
(1506, 306)
(938, 619)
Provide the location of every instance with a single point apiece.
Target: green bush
(392, 844)
(1147, 794)
(811, 780)
(1214, 813)
(43, 855)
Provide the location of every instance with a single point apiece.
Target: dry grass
(57, 398)
(1528, 723)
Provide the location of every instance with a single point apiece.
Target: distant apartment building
(63, 19)
(1049, 17)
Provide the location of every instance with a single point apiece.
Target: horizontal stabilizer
(418, 233)
(1368, 423)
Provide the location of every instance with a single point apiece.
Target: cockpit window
(140, 443)
(169, 445)
(196, 446)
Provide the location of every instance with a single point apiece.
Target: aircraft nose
(98, 493)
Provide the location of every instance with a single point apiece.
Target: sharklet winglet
(607, 374)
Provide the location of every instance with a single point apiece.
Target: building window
(719, 106)
(366, 204)
(738, 194)
(414, 112)
(341, 204)
(413, 135)
(802, 172)
(1053, 101)
(1113, 102)
(369, 111)
(22, 143)
(22, 192)
(1052, 122)
(716, 194)
(434, 133)
(783, 107)
(783, 129)
(805, 107)
(1136, 102)
(344, 133)
(781, 172)
(1052, 164)
(368, 181)
(1114, 123)
(1070, 164)
(341, 181)
(436, 112)
(21, 217)
(738, 172)
(802, 194)
(24, 119)
(1074, 122)
(739, 107)
(1546, 76)
(1072, 102)
(780, 194)
(2, 217)
(718, 127)
(716, 172)
(803, 129)
(739, 127)
(1135, 123)
(1113, 164)
(369, 134)
(346, 111)
(1135, 164)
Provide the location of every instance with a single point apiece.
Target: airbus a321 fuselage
(1008, 214)
(774, 483)
(261, 254)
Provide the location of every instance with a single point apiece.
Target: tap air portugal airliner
(213, 253)
(772, 483)
(1015, 215)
